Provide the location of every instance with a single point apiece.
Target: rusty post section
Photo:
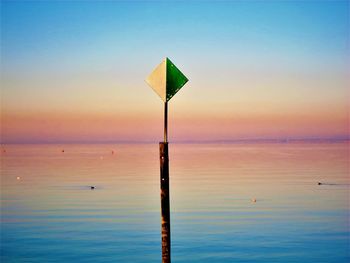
(165, 200)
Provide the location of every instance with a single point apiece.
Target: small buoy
(253, 200)
(18, 178)
(92, 187)
(112, 152)
(63, 151)
(319, 183)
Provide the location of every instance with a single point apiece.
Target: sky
(75, 71)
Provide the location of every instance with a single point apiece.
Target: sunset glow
(256, 70)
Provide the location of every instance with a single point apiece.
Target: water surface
(50, 214)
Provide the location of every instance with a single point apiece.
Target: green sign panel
(166, 80)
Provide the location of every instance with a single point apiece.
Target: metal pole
(166, 121)
(164, 191)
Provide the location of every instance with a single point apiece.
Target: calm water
(49, 213)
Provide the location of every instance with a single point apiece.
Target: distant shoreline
(233, 141)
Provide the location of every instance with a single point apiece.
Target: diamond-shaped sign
(166, 80)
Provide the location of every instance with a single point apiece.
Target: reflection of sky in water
(50, 214)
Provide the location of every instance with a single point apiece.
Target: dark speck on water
(92, 187)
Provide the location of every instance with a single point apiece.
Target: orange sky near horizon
(102, 127)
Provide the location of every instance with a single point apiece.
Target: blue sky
(205, 29)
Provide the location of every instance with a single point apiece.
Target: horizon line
(313, 139)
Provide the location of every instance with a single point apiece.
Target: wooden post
(164, 191)
(165, 201)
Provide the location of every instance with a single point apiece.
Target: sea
(230, 202)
